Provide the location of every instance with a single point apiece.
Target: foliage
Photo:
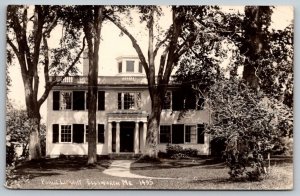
(178, 152)
(28, 32)
(18, 128)
(251, 124)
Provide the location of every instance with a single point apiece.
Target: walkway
(121, 168)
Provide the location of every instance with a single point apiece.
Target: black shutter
(101, 133)
(78, 100)
(177, 134)
(55, 133)
(56, 100)
(200, 134)
(190, 100)
(177, 100)
(101, 100)
(119, 101)
(78, 133)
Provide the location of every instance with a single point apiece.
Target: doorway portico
(126, 132)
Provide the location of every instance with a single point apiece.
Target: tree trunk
(153, 125)
(92, 99)
(93, 41)
(34, 139)
(34, 117)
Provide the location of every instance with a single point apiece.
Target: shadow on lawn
(169, 164)
(56, 166)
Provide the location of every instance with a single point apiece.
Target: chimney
(85, 70)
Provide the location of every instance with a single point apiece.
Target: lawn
(199, 174)
(210, 174)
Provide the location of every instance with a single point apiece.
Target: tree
(28, 32)
(255, 43)
(250, 123)
(92, 29)
(174, 43)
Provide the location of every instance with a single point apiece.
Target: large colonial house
(123, 108)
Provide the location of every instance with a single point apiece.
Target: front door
(126, 136)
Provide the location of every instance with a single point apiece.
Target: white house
(123, 109)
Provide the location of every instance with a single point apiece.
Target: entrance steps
(124, 156)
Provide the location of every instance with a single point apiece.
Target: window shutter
(101, 133)
(78, 100)
(190, 100)
(119, 101)
(55, 133)
(56, 100)
(78, 133)
(177, 101)
(101, 100)
(177, 134)
(200, 134)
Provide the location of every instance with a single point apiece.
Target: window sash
(167, 100)
(66, 100)
(165, 134)
(129, 101)
(190, 134)
(129, 66)
(66, 134)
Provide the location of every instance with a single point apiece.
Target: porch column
(144, 134)
(136, 138)
(109, 137)
(117, 137)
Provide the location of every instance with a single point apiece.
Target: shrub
(177, 152)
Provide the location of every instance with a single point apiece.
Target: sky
(114, 45)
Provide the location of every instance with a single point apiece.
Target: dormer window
(140, 67)
(129, 66)
(120, 67)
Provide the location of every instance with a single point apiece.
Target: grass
(200, 174)
(209, 174)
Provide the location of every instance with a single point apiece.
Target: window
(129, 101)
(177, 100)
(190, 134)
(101, 100)
(78, 100)
(55, 132)
(165, 134)
(140, 67)
(181, 134)
(200, 133)
(66, 100)
(120, 67)
(167, 101)
(177, 134)
(101, 133)
(129, 66)
(186, 99)
(66, 133)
